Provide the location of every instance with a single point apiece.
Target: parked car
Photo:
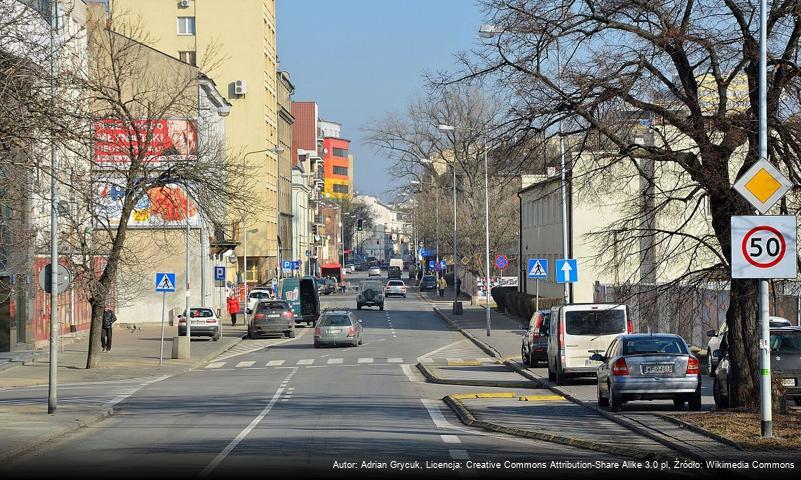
(370, 294)
(338, 327)
(271, 317)
(326, 286)
(715, 338)
(785, 363)
(374, 272)
(203, 322)
(579, 330)
(535, 341)
(301, 294)
(645, 366)
(428, 282)
(258, 294)
(350, 268)
(395, 287)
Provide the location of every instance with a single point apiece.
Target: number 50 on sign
(763, 246)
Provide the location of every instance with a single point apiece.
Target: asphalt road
(286, 406)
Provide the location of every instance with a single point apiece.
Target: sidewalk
(89, 396)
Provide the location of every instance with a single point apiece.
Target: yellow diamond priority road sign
(763, 185)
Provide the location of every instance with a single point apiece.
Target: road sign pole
(537, 296)
(161, 348)
(764, 325)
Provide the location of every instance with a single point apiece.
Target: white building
(389, 235)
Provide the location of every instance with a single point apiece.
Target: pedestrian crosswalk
(307, 362)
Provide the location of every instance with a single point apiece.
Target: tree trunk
(743, 339)
(95, 329)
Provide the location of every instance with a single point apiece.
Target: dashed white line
(215, 365)
(450, 438)
(459, 454)
(245, 364)
(365, 360)
(275, 363)
(394, 360)
(306, 361)
(335, 361)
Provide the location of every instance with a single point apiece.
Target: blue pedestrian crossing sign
(165, 282)
(566, 270)
(537, 268)
(219, 273)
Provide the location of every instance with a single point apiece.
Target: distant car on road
(271, 317)
(395, 287)
(338, 327)
(326, 286)
(374, 272)
(785, 362)
(371, 293)
(715, 337)
(535, 341)
(203, 322)
(258, 294)
(350, 268)
(644, 366)
(428, 282)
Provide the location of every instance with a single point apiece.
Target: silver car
(395, 287)
(338, 327)
(374, 272)
(648, 367)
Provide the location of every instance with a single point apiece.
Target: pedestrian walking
(441, 286)
(233, 308)
(108, 323)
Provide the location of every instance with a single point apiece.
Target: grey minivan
(338, 327)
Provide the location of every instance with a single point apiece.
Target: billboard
(160, 206)
(156, 142)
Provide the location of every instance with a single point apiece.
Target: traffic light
(359, 225)
(314, 229)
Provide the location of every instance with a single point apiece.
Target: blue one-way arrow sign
(566, 270)
(537, 268)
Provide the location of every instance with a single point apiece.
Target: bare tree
(688, 69)
(353, 210)
(414, 135)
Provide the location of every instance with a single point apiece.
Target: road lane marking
(244, 433)
(395, 360)
(433, 352)
(453, 359)
(306, 361)
(426, 360)
(436, 415)
(534, 398)
(459, 454)
(450, 438)
(275, 363)
(245, 364)
(407, 370)
(215, 365)
(250, 346)
(335, 361)
(365, 360)
(114, 401)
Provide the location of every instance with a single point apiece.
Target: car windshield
(200, 313)
(428, 278)
(639, 346)
(595, 322)
(395, 284)
(259, 295)
(265, 306)
(335, 321)
(786, 341)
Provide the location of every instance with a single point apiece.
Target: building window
(341, 152)
(339, 188)
(186, 25)
(340, 170)
(189, 57)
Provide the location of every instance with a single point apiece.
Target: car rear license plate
(591, 363)
(274, 315)
(788, 382)
(198, 322)
(657, 369)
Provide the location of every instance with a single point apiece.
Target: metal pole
(537, 301)
(187, 270)
(565, 242)
(161, 348)
(766, 413)
(486, 237)
(455, 261)
(436, 226)
(52, 392)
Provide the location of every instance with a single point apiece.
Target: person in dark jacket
(108, 323)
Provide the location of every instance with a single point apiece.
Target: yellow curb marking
(466, 363)
(533, 398)
(463, 396)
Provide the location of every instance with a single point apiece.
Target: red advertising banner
(152, 141)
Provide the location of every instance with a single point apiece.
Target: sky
(359, 59)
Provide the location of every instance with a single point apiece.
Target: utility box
(180, 347)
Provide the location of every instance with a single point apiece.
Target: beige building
(235, 45)
(285, 161)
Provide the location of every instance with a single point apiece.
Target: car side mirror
(717, 354)
(597, 357)
(711, 333)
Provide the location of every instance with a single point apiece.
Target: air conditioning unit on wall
(240, 87)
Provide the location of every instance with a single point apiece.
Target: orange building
(338, 166)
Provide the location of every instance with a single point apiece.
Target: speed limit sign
(763, 246)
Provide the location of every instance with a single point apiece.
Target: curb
(683, 450)
(431, 377)
(467, 418)
(52, 436)
(698, 430)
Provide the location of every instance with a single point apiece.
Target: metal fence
(690, 311)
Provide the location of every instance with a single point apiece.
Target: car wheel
(291, 333)
(381, 307)
(615, 401)
(358, 306)
(523, 356)
(602, 401)
(712, 367)
(694, 402)
(720, 400)
(678, 403)
(551, 375)
(559, 377)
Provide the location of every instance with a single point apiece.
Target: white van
(579, 330)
